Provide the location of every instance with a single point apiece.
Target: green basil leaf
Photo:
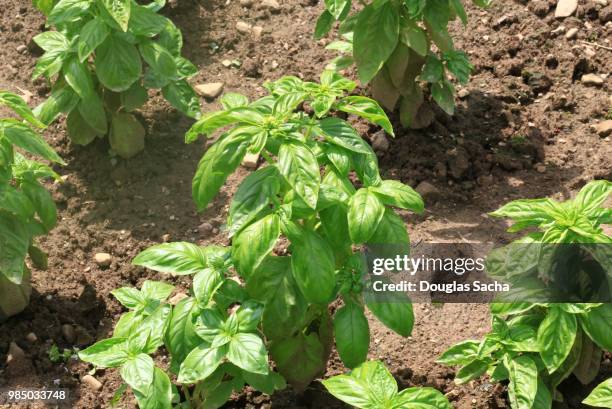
(365, 213)
(375, 37)
(340, 133)
(92, 35)
(556, 336)
(299, 358)
(254, 194)
(118, 63)
(444, 94)
(601, 396)
(201, 362)
(597, 323)
(323, 25)
(138, 372)
(119, 10)
(471, 371)
(218, 162)
(395, 193)
(180, 337)
(183, 97)
(178, 258)
(254, 243)
(159, 395)
(108, 353)
(66, 11)
(350, 390)
(14, 242)
(145, 22)
(422, 398)
(395, 315)
(247, 351)
(24, 137)
(313, 266)
(19, 106)
(523, 385)
(460, 354)
(368, 109)
(352, 334)
(299, 166)
(62, 99)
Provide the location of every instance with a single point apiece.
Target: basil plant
(392, 44)
(537, 345)
(371, 386)
(103, 57)
(26, 207)
(294, 226)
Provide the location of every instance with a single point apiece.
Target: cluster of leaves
(26, 207)
(371, 386)
(248, 298)
(103, 56)
(390, 42)
(537, 345)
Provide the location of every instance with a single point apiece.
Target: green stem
(267, 157)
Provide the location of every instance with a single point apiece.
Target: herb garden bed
(523, 128)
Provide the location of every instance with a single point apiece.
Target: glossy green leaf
(178, 258)
(375, 37)
(299, 166)
(92, 35)
(556, 336)
(247, 351)
(365, 213)
(201, 362)
(254, 243)
(118, 63)
(352, 334)
(601, 396)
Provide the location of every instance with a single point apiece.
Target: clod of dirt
(103, 260)
(68, 333)
(211, 90)
(605, 15)
(15, 354)
(92, 382)
(458, 162)
(539, 83)
(428, 191)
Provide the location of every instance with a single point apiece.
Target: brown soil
(523, 131)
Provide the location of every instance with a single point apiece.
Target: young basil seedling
(370, 385)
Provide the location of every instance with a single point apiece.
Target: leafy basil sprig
(254, 300)
(390, 42)
(104, 55)
(371, 386)
(537, 345)
(26, 207)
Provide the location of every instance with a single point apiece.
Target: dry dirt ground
(523, 129)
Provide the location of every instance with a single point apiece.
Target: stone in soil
(604, 128)
(211, 90)
(571, 33)
(380, 143)
(250, 160)
(566, 8)
(15, 353)
(592, 79)
(243, 27)
(103, 259)
(92, 382)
